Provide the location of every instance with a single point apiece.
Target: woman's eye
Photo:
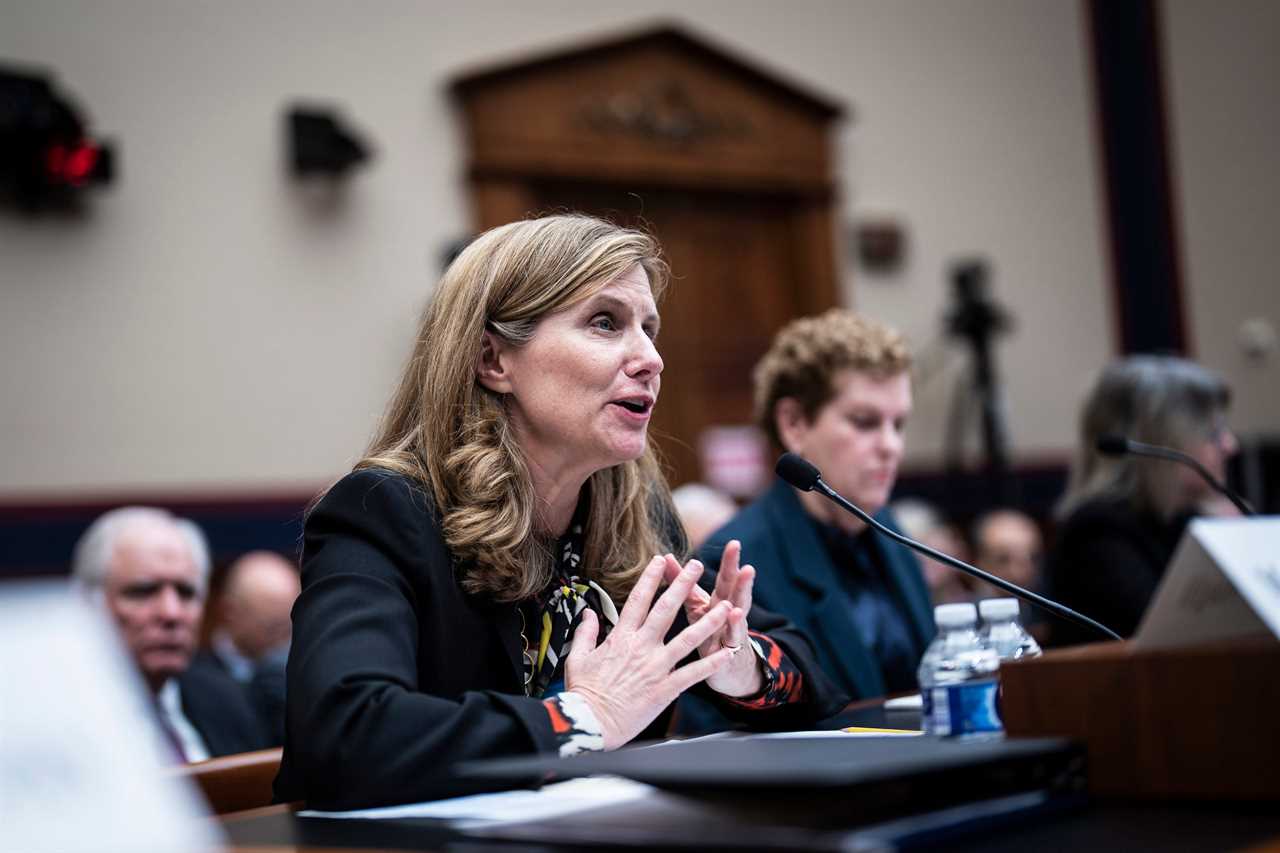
(603, 321)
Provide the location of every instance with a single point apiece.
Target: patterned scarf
(560, 609)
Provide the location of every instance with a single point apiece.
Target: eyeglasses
(1218, 430)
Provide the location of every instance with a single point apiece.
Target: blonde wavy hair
(448, 432)
(806, 354)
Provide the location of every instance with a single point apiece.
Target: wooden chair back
(233, 783)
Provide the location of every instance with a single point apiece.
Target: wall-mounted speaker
(320, 144)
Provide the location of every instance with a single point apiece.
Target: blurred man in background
(1007, 543)
(251, 641)
(922, 521)
(150, 570)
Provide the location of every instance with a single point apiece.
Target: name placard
(80, 766)
(1223, 583)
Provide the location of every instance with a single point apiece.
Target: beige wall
(208, 326)
(1224, 94)
(975, 129)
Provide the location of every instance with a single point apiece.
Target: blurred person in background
(150, 571)
(1122, 516)
(1007, 543)
(922, 521)
(702, 510)
(251, 640)
(836, 389)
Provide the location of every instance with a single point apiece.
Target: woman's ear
(491, 369)
(792, 425)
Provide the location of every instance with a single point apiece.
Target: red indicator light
(71, 165)
(80, 164)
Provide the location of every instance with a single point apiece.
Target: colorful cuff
(574, 723)
(783, 683)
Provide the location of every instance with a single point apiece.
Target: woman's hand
(631, 677)
(742, 676)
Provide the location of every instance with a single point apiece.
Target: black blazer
(1106, 561)
(221, 711)
(395, 673)
(265, 689)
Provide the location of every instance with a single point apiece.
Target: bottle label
(965, 708)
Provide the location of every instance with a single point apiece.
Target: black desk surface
(1097, 828)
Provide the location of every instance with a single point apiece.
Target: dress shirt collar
(169, 703)
(238, 665)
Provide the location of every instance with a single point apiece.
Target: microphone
(1118, 445)
(799, 472)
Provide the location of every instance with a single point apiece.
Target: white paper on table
(914, 702)
(837, 733)
(550, 801)
(695, 739)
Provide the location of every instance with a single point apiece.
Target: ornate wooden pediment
(727, 165)
(660, 106)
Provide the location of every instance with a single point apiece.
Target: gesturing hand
(631, 677)
(742, 676)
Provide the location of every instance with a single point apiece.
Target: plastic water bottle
(958, 677)
(1002, 631)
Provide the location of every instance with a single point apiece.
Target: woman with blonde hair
(488, 580)
(1122, 517)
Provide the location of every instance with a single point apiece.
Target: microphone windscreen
(798, 471)
(1113, 445)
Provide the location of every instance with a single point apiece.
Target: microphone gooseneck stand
(1118, 445)
(800, 473)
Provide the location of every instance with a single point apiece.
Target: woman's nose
(645, 360)
(1228, 442)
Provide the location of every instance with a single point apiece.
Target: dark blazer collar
(808, 562)
(904, 573)
(809, 566)
(507, 623)
(504, 618)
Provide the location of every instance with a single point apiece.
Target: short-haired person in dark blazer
(150, 572)
(489, 581)
(836, 389)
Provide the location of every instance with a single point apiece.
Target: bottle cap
(955, 615)
(998, 608)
